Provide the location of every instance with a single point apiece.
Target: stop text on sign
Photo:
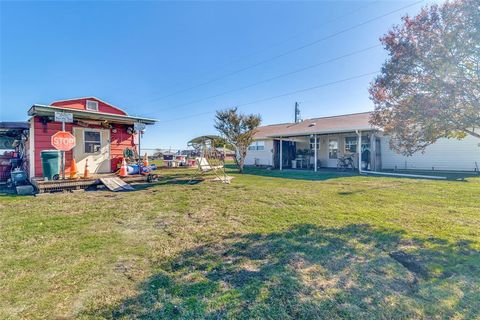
(63, 141)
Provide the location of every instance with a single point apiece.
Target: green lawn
(270, 245)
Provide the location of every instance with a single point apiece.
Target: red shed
(102, 133)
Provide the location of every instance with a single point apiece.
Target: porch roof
(13, 125)
(42, 110)
(324, 125)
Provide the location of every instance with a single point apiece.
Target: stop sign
(63, 141)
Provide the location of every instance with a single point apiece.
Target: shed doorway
(92, 145)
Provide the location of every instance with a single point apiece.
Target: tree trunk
(241, 160)
(237, 157)
(240, 166)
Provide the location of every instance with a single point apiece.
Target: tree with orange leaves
(429, 87)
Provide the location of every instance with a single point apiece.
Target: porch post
(359, 150)
(315, 155)
(281, 154)
(62, 165)
(373, 165)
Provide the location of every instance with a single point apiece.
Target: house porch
(325, 149)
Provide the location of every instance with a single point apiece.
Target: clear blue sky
(136, 54)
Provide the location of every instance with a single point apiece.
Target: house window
(92, 141)
(365, 143)
(333, 149)
(312, 144)
(260, 145)
(351, 144)
(257, 146)
(92, 105)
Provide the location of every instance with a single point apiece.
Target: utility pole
(297, 113)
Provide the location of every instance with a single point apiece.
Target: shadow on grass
(332, 173)
(163, 182)
(4, 191)
(169, 177)
(460, 176)
(11, 193)
(323, 174)
(310, 272)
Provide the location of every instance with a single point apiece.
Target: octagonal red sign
(63, 141)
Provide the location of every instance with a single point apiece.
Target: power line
(266, 80)
(310, 88)
(280, 95)
(287, 52)
(294, 36)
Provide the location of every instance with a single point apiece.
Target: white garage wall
(445, 154)
(261, 157)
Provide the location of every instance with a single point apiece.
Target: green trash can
(50, 164)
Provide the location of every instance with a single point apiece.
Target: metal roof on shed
(42, 110)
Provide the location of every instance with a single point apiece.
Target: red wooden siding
(80, 104)
(119, 141)
(43, 133)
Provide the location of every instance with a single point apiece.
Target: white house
(323, 140)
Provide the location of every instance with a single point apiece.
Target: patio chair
(204, 167)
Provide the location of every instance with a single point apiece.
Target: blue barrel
(133, 169)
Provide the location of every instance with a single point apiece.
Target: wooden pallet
(78, 184)
(116, 184)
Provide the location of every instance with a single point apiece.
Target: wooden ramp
(116, 184)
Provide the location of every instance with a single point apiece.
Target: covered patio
(320, 150)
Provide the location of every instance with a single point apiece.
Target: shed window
(92, 141)
(92, 105)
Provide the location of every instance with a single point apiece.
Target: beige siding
(261, 157)
(323, 140)
(445, 154)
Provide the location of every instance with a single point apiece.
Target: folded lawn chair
(204, 167)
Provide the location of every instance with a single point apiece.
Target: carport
(13, 136)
